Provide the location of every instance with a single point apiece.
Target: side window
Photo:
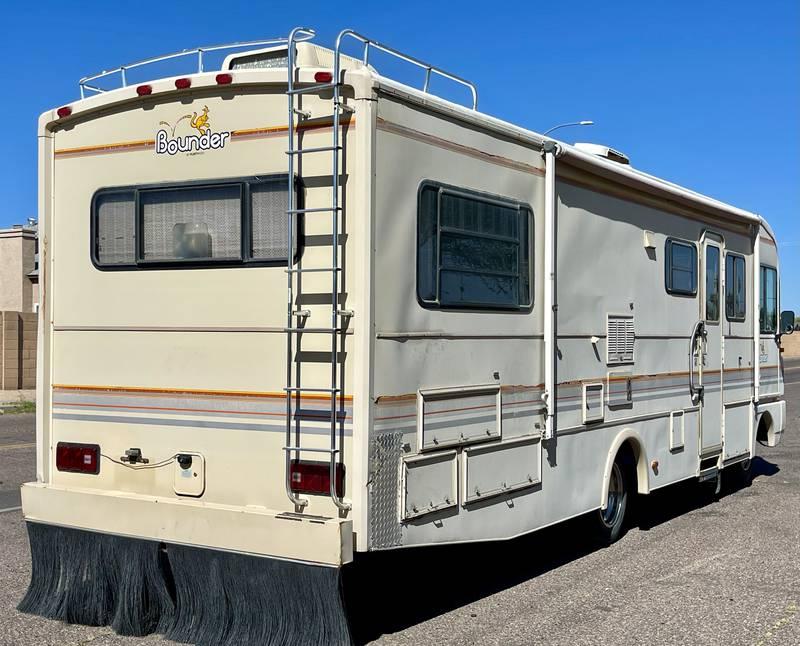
(473, 251)
(230, 222)
(768, 314)
(712, 283)
(680, 267)
(735, 288)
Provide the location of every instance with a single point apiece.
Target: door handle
(696, 391)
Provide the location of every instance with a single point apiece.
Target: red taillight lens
(224, 79)
(182, 84)
(78, 458)
(315, 477)
(323, 77)
(64, 112)
(144, 90)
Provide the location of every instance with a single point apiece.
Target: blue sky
(706, 94)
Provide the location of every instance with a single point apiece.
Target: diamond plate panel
(385, 455)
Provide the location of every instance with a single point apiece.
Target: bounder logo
(167, 142)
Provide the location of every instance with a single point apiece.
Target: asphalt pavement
(693, 569)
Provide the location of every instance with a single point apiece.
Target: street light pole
(571, 123)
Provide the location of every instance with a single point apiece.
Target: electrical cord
(155, 465)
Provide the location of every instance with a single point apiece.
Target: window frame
(482, 197)
(668, 267)
(244, 260)
(732, 279)
(764, 270)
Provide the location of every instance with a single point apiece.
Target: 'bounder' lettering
(188, 143)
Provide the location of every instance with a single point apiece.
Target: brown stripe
(458, 148)
(246, 133)
(187, 391)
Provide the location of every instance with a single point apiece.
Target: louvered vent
(619, 339)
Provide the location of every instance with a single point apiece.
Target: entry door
(710, 345)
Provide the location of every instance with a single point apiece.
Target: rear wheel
(741, 474)
(610, 521)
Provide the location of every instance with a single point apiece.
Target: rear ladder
(297, 318)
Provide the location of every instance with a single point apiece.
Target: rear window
(228, 222)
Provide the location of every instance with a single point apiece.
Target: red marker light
(183, 83)
(323, 77)
(144, 90)
(315, 477)
(78, 458)
(224, 79)
(64, 112)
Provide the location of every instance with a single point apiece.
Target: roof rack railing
(89, 83)
(429, 69)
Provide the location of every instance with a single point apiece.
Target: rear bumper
(251, 530)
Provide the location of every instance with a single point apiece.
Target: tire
(610, 522)
(741, 474)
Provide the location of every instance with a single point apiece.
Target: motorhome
(293, 310)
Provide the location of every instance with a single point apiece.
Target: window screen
(735, 290)
(712, 283)
(116, 228)
(472, 251)
(192, 223)
(681, 268)
(230, 221)
(769, 300)
(269, 224)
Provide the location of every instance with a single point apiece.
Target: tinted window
(681, 268)
(472, 251)
(735, 290)
(712, 283)
(768, 314)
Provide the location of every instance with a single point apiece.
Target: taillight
(315, 477)
(144, 90)
(224, 79)
(78, 458)
(183, 83)
(64, 112)
(323, 77)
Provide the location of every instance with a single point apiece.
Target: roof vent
(604, 151)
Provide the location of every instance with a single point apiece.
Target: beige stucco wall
(17, 251)
(791, 345)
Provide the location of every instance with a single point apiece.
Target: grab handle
(698, 331)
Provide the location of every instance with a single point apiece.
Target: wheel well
(629, 454)
(764, 427)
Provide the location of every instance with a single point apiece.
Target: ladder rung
(296, 389)
(312, 270)
(319, 149)
(321, 209)
(304, 313)
(312, 88)
(302, 448)
(313, 330)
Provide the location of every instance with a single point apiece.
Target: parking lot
(692, 570)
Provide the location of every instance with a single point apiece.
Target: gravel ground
(692, 570)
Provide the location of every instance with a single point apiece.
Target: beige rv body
(445, 436)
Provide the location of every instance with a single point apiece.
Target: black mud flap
(189, 594)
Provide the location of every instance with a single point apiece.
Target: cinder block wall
(17, 350)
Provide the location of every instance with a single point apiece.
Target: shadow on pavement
(389, 591)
